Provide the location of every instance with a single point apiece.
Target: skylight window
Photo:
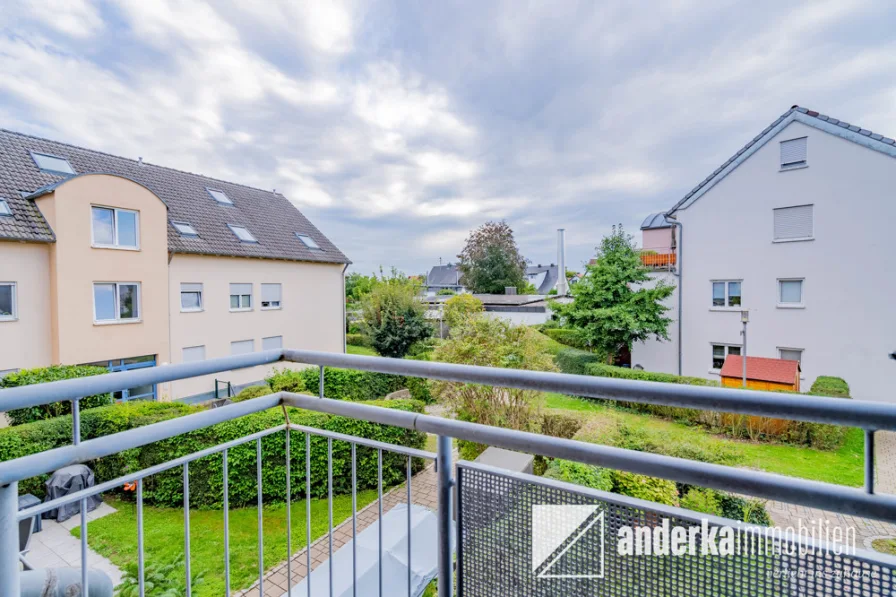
(52, 163)
(219, 196)
(242, 233)
(309, 242)
(185, 228)
(4, 208)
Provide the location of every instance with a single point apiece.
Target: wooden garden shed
(762, 373)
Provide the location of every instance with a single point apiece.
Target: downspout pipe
(671, 219)
(344, 323)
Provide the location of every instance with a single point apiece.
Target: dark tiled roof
(761, 369)
(844, 125)
(443, 275)
(271, 218)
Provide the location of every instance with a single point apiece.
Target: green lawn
(115, 536)
(843, 466)
(361, 350)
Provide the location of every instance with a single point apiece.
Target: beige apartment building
(124, 264)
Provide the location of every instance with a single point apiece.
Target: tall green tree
(491, 260)
(616, 304)
(392, 317)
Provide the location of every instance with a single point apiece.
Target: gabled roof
(842, 129)
(271, 218)
(761, 369)
(444, 275)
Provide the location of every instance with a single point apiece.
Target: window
(116, 301)
(726, 293)
(242, 347)
(793, 153)
(52, 163)
(790, 293)
(114, 227)
(185, 229)
(790, 354)
(4, 208)
(270, 296)
(242, 233)
(190, 297)
(720, 351)
(8, 310)
(793, 223)
(240, 297)
(272, 343)
(219, 196)
(194, 353)
(309, 242)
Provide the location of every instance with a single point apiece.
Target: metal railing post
(76, 422)
(9, 540)
(869, 460)
(445, 486)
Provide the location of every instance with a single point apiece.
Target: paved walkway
(423, 493)
(56, 547)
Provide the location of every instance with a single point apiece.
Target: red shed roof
(761, 369)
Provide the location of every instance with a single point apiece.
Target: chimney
(510, 290)
(140, 161)
(562, 285)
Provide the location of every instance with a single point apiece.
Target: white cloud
(76, 18)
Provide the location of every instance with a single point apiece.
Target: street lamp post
(744, 319)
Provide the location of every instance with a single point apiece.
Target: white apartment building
(794, 228)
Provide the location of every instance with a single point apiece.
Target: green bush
(580, 474)
(27, 377)
(822, 435)
(702, 500)
(604, 370)
(357, 340)
(166, 488)
(420, 387)
(565, 336)
(349, 384)
(560, 425)
(749, 510)
(643, 487)
(287, 380)
(252, 392)
(575, 361)
(825, 385)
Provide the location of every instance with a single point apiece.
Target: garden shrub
(252, 392)
(643, 487)
(461, 307)
(604, 370)
(834, 387)
(565, 336)
(587, 475)
(27, 377)
(287, 380)
(357, 340)
(749, 510)
(560, 425)
(350, 384)
(702, 500)
(575, 361)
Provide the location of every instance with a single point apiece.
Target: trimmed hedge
(358, 340)
(287, 380)
(604, 370)
(28, 377)
(834, 387)
(166, 488)
(565, 336)
(349, 384)
(252, 392)
(575, 361)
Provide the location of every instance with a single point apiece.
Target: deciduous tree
(491, 260)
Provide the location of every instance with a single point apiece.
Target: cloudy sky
(398, 126)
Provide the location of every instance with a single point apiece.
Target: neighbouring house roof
(548, 281)
(808, 117)
(761, 369)
(269, 216)
(505, 300)
(444, 275)
(655, 221)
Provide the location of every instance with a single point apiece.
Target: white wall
(520, 318)
(847, 327)
(661, 355)
(26, 341)
(310, 317)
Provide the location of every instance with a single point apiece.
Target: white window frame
(181, 232)
(799, 350)
(186, 348)
(34, 154)
(726, 306)
(200, 291)
(252, 341)
(15, 302)
(793, 165)
(241, 308)
(263, 340)
(279, 304)
(728, 346)
(115, 244)
(211, 191)
(800, 305)
(235, 227)
(5, 209)
(117, 297)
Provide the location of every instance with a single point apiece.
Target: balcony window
(270, 296)
(52, 164)
(114, 228)
(726, 293)
(116, 302)
(720, 351)
(241, 297)
(8, 301)
(190, 297)
(790, 293)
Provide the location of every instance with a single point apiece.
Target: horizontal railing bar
(51, 460)
(766, 485)
(362, 441)
(72, 389)
(838, 411)
(142, 474)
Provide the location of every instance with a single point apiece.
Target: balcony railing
(484, 513)
(658, 258)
